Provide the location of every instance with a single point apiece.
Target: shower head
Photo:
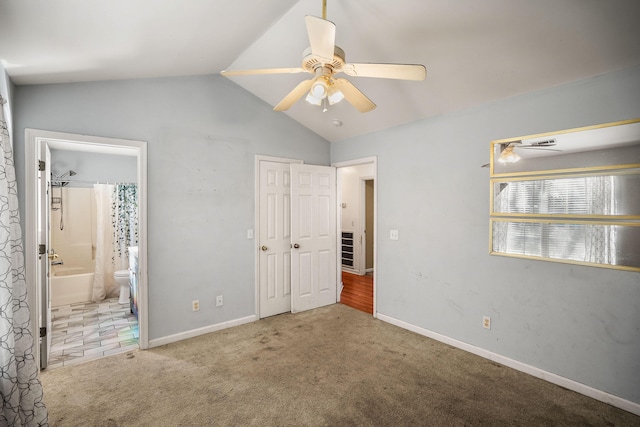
(60, 181)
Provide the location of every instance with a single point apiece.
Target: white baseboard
(201, 331)
(600, 395)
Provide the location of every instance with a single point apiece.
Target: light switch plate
(250, 234)
(393, 234)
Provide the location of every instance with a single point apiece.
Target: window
(585, 215)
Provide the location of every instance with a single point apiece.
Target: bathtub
(70, 284)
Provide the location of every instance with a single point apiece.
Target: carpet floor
(332, 366)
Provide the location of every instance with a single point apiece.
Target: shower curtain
(125, 219)
(116, 230)
(103, 283)
(21, 391)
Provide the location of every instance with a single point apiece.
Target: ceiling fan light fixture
(313, 100)
(335, 95)
(319, 89)
(508, 155)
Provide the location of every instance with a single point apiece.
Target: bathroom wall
(75, 243)
(94, 167)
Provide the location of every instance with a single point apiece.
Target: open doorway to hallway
(357, 291)
(357, 233)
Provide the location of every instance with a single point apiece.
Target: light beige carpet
(333, 366)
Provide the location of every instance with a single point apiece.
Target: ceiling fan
(508, 154)
(508, 150)
(324, 59)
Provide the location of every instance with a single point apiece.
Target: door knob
(295, 245)
(264, 248)
(53, 256)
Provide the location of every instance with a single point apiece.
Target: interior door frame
(45, 192)
(363, 222)
(357, 162)
(256, 234)
(33, 140)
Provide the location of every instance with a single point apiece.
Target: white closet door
(275, 239)
(313, 237)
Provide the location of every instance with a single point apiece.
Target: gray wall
(6, 90)
(203, 134)
(579, 322)
(582, 323)
(94, 167)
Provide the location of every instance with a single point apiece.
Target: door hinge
(41, 165)
(42, 249)
(43, 332)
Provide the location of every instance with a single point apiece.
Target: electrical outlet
(393, 234)
(486, 322)
(219, 301)
(195, 305)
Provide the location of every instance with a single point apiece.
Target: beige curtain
(103, 282)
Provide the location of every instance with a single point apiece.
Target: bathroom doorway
(93, 229)
(92, 329)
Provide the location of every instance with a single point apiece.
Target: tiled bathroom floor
(87, 331)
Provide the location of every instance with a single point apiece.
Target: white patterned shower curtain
(116, 230)
(20, 389)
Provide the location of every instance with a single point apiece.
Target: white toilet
(122, 278)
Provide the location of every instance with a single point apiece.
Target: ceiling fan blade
(524, 147)
(293, 96)
(322, 37)
(387, 71)
(262, 71)
(353, 95)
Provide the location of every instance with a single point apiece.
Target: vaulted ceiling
(475, 51)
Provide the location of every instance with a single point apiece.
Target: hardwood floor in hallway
(357, 292)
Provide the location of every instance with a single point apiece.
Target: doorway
(296, 261)
(358, 230)
(369, 220)
(37, 265)
(276, 284)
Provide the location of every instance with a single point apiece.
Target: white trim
(339, 266)
(362, 220)
(600, 395)
(143, 280)
(31, 235)
(357, 162)
(256, 218)
(33, 139)
(201, 331)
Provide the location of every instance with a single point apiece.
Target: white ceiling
(475, 51)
